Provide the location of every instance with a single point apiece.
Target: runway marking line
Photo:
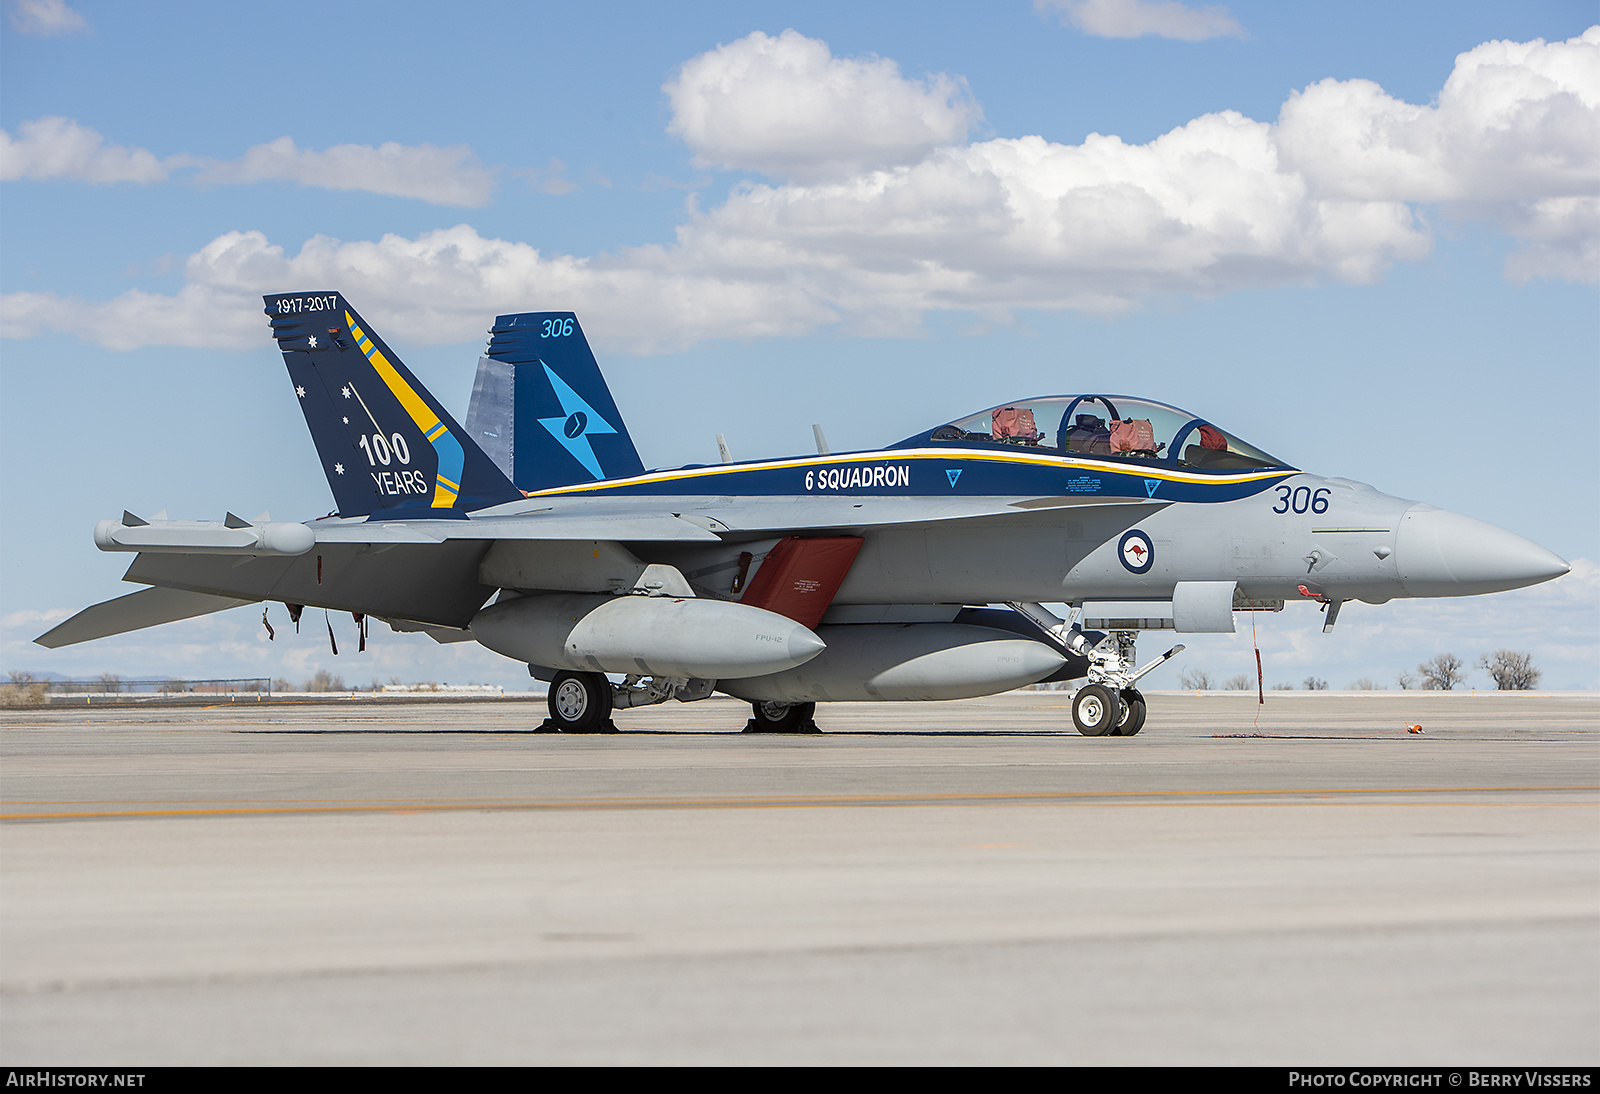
(411, 805)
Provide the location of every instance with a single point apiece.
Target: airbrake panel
(800, 576)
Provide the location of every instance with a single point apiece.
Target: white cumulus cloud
(1328, 192)
(55, 147)
(787, 107)
(442, 286)
(1513, 137)
(442, 176)
(1137, 18)
(45, 18)
(61, 148)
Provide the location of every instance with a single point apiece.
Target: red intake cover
(800, 576)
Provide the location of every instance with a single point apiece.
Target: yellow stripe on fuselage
(803, 462)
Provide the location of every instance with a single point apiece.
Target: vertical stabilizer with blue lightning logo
(387, 446)
(561, 427)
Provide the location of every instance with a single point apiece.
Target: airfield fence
(114, 689)
(24, 690)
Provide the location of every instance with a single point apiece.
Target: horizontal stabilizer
(134, 612)
(442, 635)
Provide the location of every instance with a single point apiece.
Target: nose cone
(1440, 553)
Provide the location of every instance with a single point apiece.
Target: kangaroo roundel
(1137, 552)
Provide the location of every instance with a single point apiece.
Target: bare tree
(1195, 680)
(1239, 683)
(23, 690)
(109, 682)
(1443, 673)
(323, 680)
(1511, 670)
(1316, 683)
(1406, 681)
(1366, 683)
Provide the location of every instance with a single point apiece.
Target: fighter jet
(912, 572)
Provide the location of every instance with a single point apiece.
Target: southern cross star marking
(313, 341)
(346, 391)
(339, 467)
(578, 422)
(300, 391)
(347, 421)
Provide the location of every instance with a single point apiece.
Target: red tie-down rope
(1261, 683)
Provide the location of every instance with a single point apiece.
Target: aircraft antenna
(722, 448)
(822, 442)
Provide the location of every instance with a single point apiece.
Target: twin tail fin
(387, 446)
(541, 408)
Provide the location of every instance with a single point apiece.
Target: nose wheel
(1098, 711)
(1132, 720)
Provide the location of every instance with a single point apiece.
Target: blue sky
(1361, 236)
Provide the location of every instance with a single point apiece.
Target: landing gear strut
(1108, 705)
(1111, 673)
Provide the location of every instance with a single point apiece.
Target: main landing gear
(767, 717)
(579, 702)
(582, 702)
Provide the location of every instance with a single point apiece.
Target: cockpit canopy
(1117, 426)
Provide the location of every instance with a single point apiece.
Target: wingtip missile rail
(231, 536)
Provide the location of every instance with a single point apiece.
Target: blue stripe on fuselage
(927, 473)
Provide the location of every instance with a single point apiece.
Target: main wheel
(767, 717)
(1132, 713)
(580, 702)
(1095, 710)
